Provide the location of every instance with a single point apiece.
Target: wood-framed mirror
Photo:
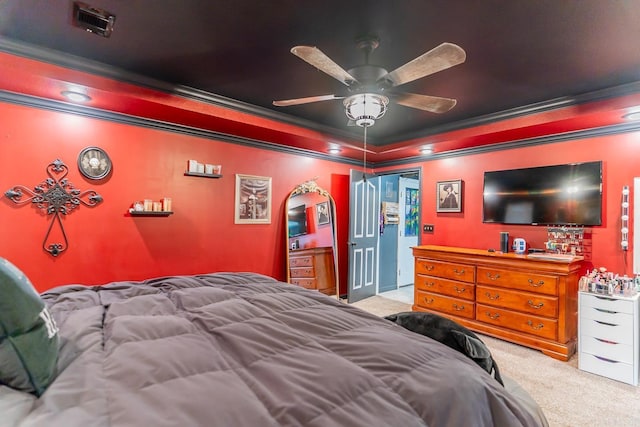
(310, 233)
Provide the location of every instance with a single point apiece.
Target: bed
(242, 349)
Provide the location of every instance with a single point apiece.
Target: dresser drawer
(445, 286)
(301, 261)
(454, 306)
(303, 272)
(606, 316)
(305, 283)
(539, 305)
(621, 332)
(606, 349)
(530, 282)
(534, 325)
(608, 368)
(606, 304)
(446, 270)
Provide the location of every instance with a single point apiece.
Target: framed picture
(253, 199)
(322, 213)
(449, 196)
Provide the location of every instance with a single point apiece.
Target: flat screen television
(569, 194)
(297, 221)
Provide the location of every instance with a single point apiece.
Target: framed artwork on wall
(322, 213)
(253, 199)
(94, 163)
(449, 196)
(411, 212)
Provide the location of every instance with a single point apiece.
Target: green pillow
(28, 334)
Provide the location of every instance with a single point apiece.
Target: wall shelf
(150, 213)
(203, 175)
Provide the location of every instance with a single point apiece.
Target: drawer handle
(491, 297)
(605, 359)
(428, 300)
(606, 341)
(429, 267)
(457, 307)
(459, 290)
(429, 284)
(458, 272)
(605, 323)
(493, 277)
(536, 306)
(535, 285)
(492, 316)
(536, 327)
(605, 311)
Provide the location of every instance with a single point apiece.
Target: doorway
(397, 213)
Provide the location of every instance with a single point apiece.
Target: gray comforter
(241, 349)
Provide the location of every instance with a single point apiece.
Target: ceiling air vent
(94, 20)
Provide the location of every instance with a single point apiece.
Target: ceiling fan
(374, 84)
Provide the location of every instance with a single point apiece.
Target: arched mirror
(312, 256)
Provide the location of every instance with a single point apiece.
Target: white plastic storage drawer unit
(608, 336)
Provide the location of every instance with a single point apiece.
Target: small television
(569, 194)
(297, 221)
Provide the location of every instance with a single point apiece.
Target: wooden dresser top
(484, 256)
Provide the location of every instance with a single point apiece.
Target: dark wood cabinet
(313, 268)
(526, 299)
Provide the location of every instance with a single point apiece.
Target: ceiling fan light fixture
(365, 108)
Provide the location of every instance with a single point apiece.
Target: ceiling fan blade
(434, 104)
(322, 62)
(308, 100)
(437, 59)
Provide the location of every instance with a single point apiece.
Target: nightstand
(608, 336)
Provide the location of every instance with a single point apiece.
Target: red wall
(619, 154)
(105, 243)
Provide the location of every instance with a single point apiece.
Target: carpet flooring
(568, 396)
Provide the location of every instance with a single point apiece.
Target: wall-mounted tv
(569, 194)
(297, 221)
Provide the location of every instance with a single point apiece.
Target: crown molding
(97, 68)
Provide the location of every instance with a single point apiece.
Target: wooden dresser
(526, 299)
(313, 268)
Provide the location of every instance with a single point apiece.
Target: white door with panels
(364, 230)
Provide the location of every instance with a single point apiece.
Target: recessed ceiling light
(426, 150)
(75, 96)
(334, 150)
(634, 115)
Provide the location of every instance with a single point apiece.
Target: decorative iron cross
(56, 196)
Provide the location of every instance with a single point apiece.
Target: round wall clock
(94, 163)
